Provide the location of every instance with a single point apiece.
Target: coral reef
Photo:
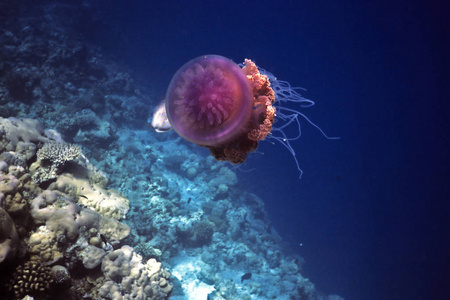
(211, 234)
(50, 73)
(164, 206)
(64, 228)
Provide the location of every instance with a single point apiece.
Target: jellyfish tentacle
(311, 122)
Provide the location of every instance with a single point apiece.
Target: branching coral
(51, 159)
(58, 153)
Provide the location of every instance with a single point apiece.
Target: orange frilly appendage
(260, 124)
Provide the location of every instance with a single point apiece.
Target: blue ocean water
(370, 213)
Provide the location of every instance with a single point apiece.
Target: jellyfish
(228, 108)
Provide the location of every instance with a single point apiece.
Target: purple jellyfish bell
(209, 101)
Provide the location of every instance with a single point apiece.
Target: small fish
(246, 276)
(103, 238)
(160, 121)
(189, 200)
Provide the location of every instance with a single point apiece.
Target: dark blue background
(371, 209)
